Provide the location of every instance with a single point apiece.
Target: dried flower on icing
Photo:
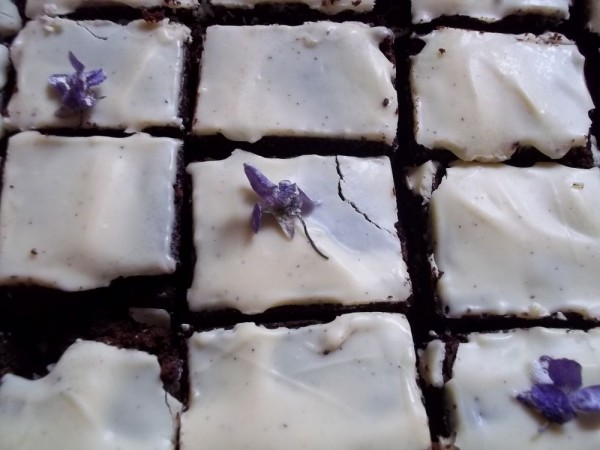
(557, 393)
(75, 88)
(285, 202)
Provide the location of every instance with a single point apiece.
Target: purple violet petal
(586, 400)
(287, 197)
(564, 373)
(306, 204)
(77, 65)
(60, 82)
(95, 77)
(550, 401)
(287, 224)
(260, 184)
(256, 217)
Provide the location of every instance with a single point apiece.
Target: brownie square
(488, 10)
(320, 79)
(347, 384)
(490, 370)
(95, 396)
(353, 225)
(517, 241)
(143, 63)
(79, 212)
(483, 96)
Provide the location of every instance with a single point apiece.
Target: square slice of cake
(488, 10)
(484, 95)
(517, 241)
(327, 7)
(352, 225)
(38, 8)
(142, 61)
(349, 384)
(95, 397)
(79, 212)
(491, 370)
(320, 79)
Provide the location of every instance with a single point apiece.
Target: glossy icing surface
(353, 226)
(520, 241)
(320, 79)
(77, 213)
(349, 384)
(490, 369)
(487, 10)
(483, 95)
(143, 63)
(96, 397)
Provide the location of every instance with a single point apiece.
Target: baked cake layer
(353, 224)
(79, 212)
(491, 369)
(348, 384)
(320, 79)
(484, 95)
(517, 241)
(143, 63)
(95, 397)
(487, 10)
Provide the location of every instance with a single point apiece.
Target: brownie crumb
(152, 16)
(386, 101)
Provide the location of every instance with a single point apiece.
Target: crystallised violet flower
(557, 393)
(285, 202)
(75, 89)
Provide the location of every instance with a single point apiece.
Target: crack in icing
(350, 202)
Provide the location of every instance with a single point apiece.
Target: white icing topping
(37, 8)
(480, 95)
(487, 10)
(594, 19)
(420, 179)
(143, 63)
(77, 213)
(326, 6)
(96, 397)
(319, 79)
(431, 363)
(4, 65)
(365, 260)
(10, 19)
(492, 368)
(521, 241)
(255, 388)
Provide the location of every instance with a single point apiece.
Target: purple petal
(565, 373)
(586, 400)
(287, 224)
(256, 217)
(261, 184)
(550, 401)
(287, 196)
(77, 65)
(95, 77)
(60, 82)
(306, 204)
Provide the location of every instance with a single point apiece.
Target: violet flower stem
(312, 243)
